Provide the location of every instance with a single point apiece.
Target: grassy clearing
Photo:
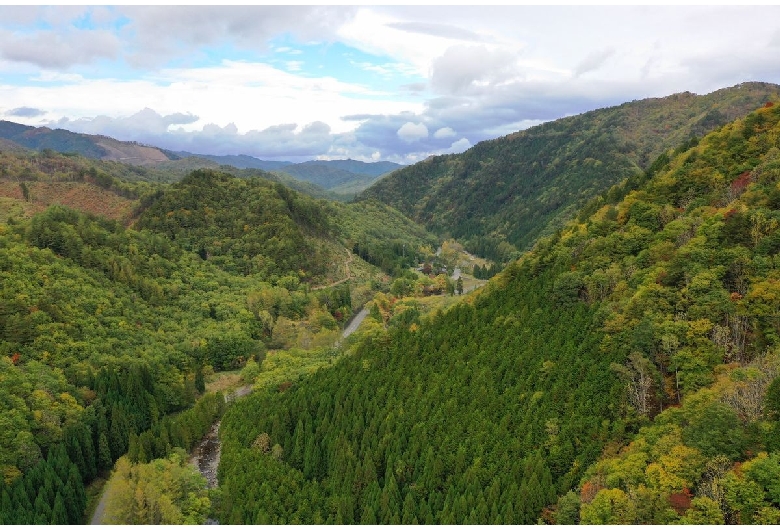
(224, 381)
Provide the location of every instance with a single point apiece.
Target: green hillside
(501, 195)
(625, 371)
(107, 332)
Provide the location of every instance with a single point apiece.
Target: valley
(575, 323)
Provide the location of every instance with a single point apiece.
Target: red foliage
(284, 386)
(735, 296)
(741, 182)
(769, 105)
(729, 214)
(15, 358)
(681, 501)
(548, 515)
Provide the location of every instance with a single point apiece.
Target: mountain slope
(105, 330)
(666, 298)
(347, 176)
(500, 195)
(88, 145)
(238, 161)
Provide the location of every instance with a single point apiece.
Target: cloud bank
(397, 83)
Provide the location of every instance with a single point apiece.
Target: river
(207, 454)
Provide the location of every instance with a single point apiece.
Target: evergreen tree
(59, 515)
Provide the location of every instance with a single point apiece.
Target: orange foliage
(589, 491)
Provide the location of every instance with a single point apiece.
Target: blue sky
(395, 83)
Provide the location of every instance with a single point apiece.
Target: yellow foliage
(675, 470)
(164, 491)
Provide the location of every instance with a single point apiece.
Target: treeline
(104, 332)
(485, 273)
(382, 236)
(184, 430)
(47, 484)
(246, 227)
(107, 331)
(47, 165)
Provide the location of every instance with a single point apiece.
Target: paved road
(355, 323)
(97, 517)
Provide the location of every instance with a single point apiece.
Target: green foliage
(649, 316)
(698, 301)
(105, 332)
(243, 226)
(363, 450)
(383, 237)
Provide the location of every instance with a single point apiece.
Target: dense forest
(623, 372)
(501, 195)
(108, 327)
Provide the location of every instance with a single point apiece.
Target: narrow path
(346, 269)
(97, 517)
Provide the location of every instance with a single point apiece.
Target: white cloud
(593, 61)
(411, 132)
(460, 146)
(463, 67)
(444, 132)
(167, 31)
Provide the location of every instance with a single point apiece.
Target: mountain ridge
(501, 194)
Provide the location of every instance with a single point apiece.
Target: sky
(397, 83)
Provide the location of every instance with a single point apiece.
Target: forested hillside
(107, 331)
(501, 195)
(625, 371)
(102, 333)
(342, 176)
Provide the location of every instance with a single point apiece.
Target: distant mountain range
(345, 177)
(339, 176)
